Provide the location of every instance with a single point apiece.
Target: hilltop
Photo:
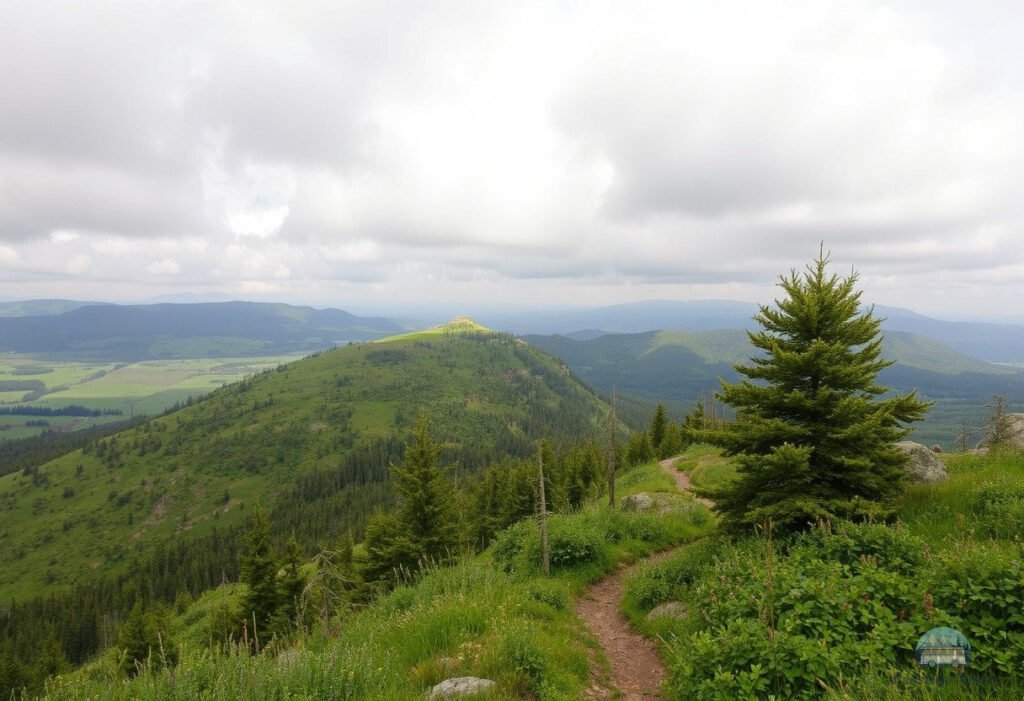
(311, 440)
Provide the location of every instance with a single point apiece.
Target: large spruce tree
(259, 572)
(426, 525)
(813, 437)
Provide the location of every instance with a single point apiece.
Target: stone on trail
(923, 465)
(460, 687)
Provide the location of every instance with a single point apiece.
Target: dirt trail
(682, 479)
(636, 669)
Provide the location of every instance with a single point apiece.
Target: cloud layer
(343, 153)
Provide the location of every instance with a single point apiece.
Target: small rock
(459, 687)
(923, 465)
(638, 502)
(669, 609)
(936, 448)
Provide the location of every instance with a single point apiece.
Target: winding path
(636, 669)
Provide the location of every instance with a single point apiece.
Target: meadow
(132, 389)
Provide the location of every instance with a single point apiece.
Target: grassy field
(145, 388)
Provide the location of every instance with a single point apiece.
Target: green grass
(707, 468)
(962, 506)
(644, 478)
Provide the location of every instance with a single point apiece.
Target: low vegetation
(492, 615)
(836, 612)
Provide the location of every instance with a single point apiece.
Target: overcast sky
(373, 155)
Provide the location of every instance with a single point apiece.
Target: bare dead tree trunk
(998, 427)
(546, 547)
(611, 452)
(962, 437)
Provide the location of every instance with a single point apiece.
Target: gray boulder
(923, 465)
(459, 687)
(669, 609)
(1014, 432)
(638, 502)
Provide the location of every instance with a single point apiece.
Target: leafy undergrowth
(492, 616)
(835, 613)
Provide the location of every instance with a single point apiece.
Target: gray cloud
(583, 152)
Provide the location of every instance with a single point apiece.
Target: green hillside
(678, 367)
(311, 440)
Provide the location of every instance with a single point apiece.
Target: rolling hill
(158, 331)
(311, 440)
(42, 307)
(990, 342)
(678, 367)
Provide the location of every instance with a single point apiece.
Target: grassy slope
(250, 440)
(517, 628)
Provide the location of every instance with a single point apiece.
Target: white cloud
(604, 151)
(164, 266)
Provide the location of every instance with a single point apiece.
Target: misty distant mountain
(990, 342)
(633, 317)
(998, 343)
(678, 367)
(42, 307)
(140, 332)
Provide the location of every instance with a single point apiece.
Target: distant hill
(997, 343)
(678, 367)
(633, 317)
(312, 441)
(157, 331)
(990, 342)
(42, 307)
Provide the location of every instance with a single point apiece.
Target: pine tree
(659, 423)
(639, 450)
(291, 585)
(426, 496)
(138, 640)
(259, 572)
(694, 424)
(672, 443)
(426, 525)
(813, 439)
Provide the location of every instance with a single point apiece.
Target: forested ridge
(154, 512)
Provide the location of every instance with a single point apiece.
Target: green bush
(835, 603)
(982, 586)
(998, 508)
(664, 581)
(893, 548)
